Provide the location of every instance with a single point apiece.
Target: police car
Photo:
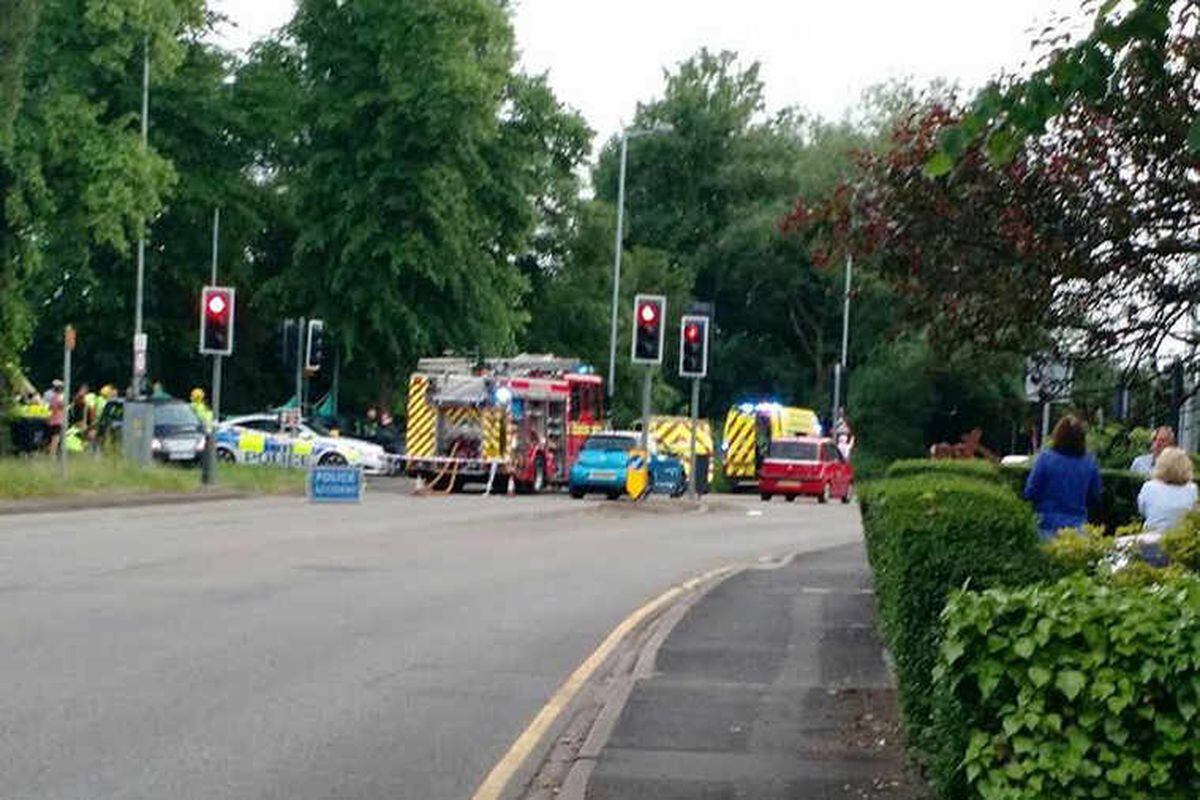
(265, 439)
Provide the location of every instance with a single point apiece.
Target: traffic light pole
(302, 335)
(209, 475)
(646, 381)
(692, 479)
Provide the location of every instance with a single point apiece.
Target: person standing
(201, 408)
(1164, 437)
(1065, 480)
(58, 407)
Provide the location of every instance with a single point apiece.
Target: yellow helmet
(197, 395)
(108, 392)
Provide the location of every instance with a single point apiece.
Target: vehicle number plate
(790, 484)
(180, 455)
(606, 475)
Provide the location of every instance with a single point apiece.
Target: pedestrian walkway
(772, 687)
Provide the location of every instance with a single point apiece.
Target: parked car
(178, 432)
(265, 439)
(806, 466)
(603, 467)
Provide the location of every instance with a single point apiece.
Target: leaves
(1193, 137)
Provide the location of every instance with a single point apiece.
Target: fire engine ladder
(517, 366)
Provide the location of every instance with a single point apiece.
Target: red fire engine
(524, 418)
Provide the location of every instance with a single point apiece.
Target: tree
(82, 186)
(1084, 237)
(424, 160)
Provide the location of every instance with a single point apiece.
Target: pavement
(269, 648)
(772, 686)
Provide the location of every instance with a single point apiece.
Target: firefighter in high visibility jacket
(201, 408)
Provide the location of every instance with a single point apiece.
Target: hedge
(975, 468)
(1078, 689)
(926, 536)
(1118, 495)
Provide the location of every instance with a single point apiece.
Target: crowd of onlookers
(1065, 482)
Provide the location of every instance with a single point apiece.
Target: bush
(926, 536)
(1182, 543)
(984, 470)
(1079, 689)
(1081, 552)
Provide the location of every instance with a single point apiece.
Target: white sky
(603, 56)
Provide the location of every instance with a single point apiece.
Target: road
(273, 649)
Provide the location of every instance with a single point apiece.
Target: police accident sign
(335, 484)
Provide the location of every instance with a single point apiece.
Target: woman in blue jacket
(1065, 480)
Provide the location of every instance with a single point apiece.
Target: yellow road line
(496, 781)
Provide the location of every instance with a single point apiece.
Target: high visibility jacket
(73, 441)
(204, 413)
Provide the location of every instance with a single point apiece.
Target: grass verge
(40, 477)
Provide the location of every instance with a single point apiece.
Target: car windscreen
(175, 416)
(317, 428)
(610, 444)
(795, 451)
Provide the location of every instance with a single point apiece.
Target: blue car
(603, 466)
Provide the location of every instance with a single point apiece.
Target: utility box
(137, 432)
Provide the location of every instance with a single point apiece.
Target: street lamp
(139, 342)
(659, 129)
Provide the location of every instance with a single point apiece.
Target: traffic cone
(512, 487)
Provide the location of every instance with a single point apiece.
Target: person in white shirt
(1163, 502)
(1164, 437)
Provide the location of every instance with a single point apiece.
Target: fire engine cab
(524, 418)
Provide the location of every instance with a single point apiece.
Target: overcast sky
(603, 56)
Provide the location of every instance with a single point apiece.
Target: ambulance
(749, 430)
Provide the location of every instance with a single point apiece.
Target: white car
(264, 439)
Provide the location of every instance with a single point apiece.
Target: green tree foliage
(82, 186)
(424, 164)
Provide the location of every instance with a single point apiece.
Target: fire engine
(491, 420)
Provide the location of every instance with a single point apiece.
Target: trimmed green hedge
(1079, 689)
(928, 535)
(984, 470)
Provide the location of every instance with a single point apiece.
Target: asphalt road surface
(274, 649)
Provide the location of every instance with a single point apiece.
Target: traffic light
(289, 343)
(216, 321)
(314, 352)
(649, 313)
(693, 347)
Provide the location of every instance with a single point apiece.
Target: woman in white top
(1163, 501)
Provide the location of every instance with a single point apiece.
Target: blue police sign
(335, 484)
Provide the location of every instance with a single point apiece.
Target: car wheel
(766, 497)
(825, 494)
(225, 456)
(578, 494)
(614, 495)
(849, 495)
(791, 498)
(333, 460)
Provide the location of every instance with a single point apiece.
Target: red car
(810, 466)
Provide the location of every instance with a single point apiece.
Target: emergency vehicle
(751, 427)
(523, 418)
(274, 440)
(674, 438)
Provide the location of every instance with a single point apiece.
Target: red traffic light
(217, 305)
(692, 333)
(216, 321)
(648, 314)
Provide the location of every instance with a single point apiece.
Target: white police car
(265, 439)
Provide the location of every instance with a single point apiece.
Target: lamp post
(139, 362)
(626, 134)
